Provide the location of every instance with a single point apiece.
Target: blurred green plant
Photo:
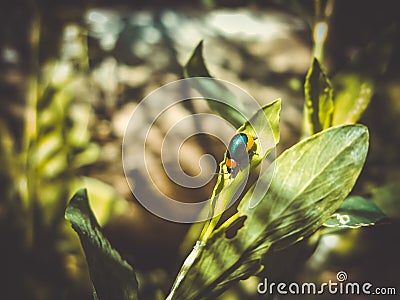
(40, 174)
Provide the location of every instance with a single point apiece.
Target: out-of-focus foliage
(388, 197)
(41, 170)
(352, 98)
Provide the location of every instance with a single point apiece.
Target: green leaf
(196, 67)
(352, 98)
(231, 110)
(265, 126)
(318, 106)
(307, 183)
(356, 212)
(112, 277)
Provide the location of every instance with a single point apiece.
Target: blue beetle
(240, 149)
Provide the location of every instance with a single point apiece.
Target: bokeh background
(72, 72)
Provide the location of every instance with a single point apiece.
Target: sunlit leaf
(352, 98)
(356, 212)
(112, 277)
(48, 145)
(54, 166)
(265, 126)
(318, 105)
(308, 182)
(231, 110)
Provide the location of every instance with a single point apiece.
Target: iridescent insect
(240, 150)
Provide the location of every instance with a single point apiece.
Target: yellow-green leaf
(318, 105)
(352, 98)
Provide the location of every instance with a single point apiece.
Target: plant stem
(198, 247)
(321, 27)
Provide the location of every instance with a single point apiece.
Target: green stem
(321, 27)
(197, 249)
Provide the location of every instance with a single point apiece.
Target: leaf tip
(200, 44)
(278, 102)
(82, 192)
(363, 130)
(80, 197)
(195, 66)
(198, 50)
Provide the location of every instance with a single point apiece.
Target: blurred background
(72, 72)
